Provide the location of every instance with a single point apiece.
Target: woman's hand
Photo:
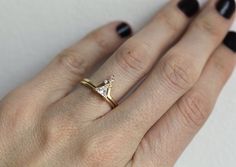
(49, 123)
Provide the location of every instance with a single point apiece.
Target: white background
(32, 32)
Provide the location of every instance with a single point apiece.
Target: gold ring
(103, 89)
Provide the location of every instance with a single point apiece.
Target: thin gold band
(87, 83)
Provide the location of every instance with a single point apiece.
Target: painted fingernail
(230, 41)
(189, 7)
(226, 8)
(124, 30)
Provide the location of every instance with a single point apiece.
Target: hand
(49, 122)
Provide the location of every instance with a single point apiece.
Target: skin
(51, 122)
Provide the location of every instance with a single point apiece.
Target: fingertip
(124, 30)
(116, 32)
(230, 41)
(189, 7)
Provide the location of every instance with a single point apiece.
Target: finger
(67, 69)
(170, 136)
(137, 56)
(175, 74)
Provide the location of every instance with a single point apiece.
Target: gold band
(103, 89)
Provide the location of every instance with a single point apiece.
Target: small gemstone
(106, 81)
(102, 90)
(112, 78)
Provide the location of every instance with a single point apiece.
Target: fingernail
(230, 41)
(226, 8)
(124, 30)
(189, 7)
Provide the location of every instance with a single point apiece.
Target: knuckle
(194, 109)
(222, 66)
(13, 114)
(73, 63)
(169, 21)
(17, 120)
(131, 57)
(100, 39)
(56, 130)
(223, 70)
(97, 150)
(177, 73)
(207, 26)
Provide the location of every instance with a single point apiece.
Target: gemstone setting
(104, 89)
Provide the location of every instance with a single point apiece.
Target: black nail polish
(226, 8)
(189, 7)
(124, 30)
(230, 41)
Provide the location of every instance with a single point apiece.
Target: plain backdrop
(33, 32)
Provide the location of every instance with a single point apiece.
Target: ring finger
(136, 57)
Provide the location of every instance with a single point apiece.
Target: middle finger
(177, 72)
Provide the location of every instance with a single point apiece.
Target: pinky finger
(168, 138)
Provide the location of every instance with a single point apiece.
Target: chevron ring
(103, 89)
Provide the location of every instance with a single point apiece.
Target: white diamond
(102, 90)
(106, 81)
